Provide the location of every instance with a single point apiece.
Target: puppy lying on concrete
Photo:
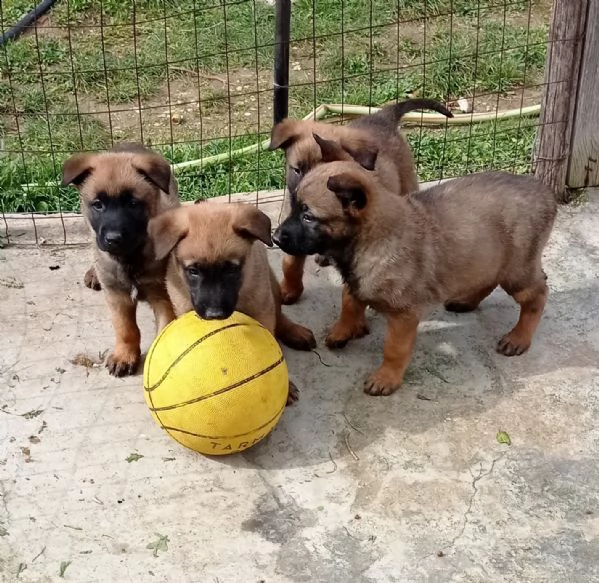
(219, 265)
(394, 166)
(452, 243)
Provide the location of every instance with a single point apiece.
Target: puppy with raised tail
(218, 265)
(394, 166)
(453, 243)
(120, 191)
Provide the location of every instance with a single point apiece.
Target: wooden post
(584, 152)
(554, 135)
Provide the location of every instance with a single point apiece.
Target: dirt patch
(192, 108)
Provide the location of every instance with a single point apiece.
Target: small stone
(440, 554)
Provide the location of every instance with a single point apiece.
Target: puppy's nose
(214, 314)
(113, 239)
(279, 237)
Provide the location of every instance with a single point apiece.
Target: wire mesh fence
(194, 80)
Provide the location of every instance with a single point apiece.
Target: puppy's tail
(392, 114)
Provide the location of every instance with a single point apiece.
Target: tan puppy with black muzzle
(403, 255)
(120, 191)
(218, 265)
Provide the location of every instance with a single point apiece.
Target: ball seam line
(279, 412)
(186, 352)
(223, 390)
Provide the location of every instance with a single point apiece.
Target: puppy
(394, 165)
(452, 243)
(219, 265)
(120, 191)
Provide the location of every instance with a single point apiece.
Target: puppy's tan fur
(147, 176)
(453, 243)
(394, 166)
(210, 233)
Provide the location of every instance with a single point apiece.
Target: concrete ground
(348, 488)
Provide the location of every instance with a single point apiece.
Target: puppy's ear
(350, 191)
(331, 151)
(362, 150)
(166, 230)
(154, 168)
(252, 223)
(76, 169)
(284, 134)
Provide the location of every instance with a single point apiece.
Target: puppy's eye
(133, 203)
(297, 171)
(98, 205)
(192, 271)
(307, 217)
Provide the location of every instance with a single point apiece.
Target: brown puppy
(120, 191)
(454, 243)
(219, 265)
(394, 165)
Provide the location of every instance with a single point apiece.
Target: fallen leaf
(26, 454)
(21, 568)
(503, 437)
(34, 439)
(159, 545)
(63, 568)
(3, 531)
(44, 425)
(32, 414)
(133, 457)
(168, 459)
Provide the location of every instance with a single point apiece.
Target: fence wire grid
(194, 80)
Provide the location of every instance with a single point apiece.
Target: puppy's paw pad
(382, 383)
(121, 364)
(290, 294)
(513, 345)
(90, 279)
(293, 394)
(460, 307)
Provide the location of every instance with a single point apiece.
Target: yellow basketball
(216, 386)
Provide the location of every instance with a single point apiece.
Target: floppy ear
(76, 169)
(154, 168)
(166, 230)
(331, 151)
(362, 150)
(284, 134)
(350, 191)
(252, 223)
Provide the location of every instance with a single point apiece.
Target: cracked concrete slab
(348, 488)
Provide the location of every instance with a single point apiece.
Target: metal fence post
(281, 72)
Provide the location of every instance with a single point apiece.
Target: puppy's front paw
(303, 339)
(123, 361)
(90, 279)
(293, 394)
(291, 293)
(513, 344)
(341, 333)
(383, 381)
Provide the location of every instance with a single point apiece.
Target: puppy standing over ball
(453, 243)
(120, 191)
(219, 265)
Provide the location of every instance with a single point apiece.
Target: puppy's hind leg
(532, 299)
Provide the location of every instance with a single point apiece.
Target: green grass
(489, 51)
